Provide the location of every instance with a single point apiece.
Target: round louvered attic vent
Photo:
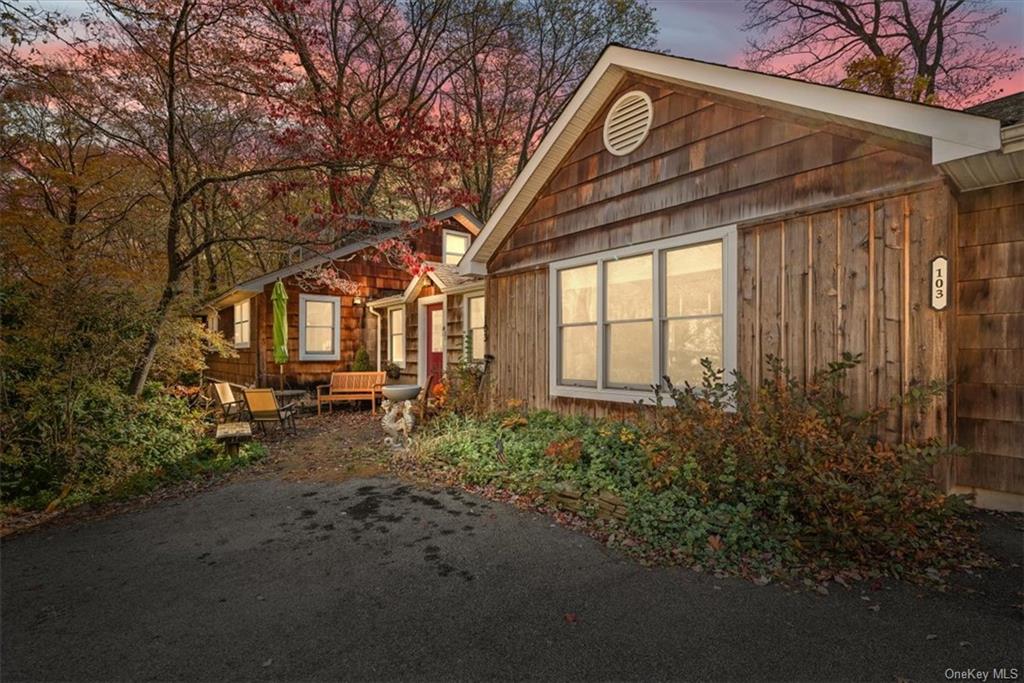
(628, 122)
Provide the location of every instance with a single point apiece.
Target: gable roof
(1009, 109)
(951, 134)
(447, 278)
(391, 229)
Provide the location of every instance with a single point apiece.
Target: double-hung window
(624, 320)
(319, 327)
(242, 330)
(454, 245)
(396, 335)
(475, 322)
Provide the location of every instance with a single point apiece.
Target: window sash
(473, 325)
(453, 256)
(241, 323)
(305, 326)
(604, 388)
(578, 381)
(396, 331)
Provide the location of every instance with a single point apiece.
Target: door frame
(421, 335)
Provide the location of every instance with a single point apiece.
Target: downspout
(377, 316)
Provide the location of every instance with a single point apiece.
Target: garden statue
(398, 422)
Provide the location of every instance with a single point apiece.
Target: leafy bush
(91, 446)
(463, 390)
(69, 432)
(361, 362)
(769, 480)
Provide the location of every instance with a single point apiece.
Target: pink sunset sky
(710, 29)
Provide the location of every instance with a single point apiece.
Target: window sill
(313, 358)
(613, 395)
(242, 345)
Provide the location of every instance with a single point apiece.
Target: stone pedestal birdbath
(400, 392)
(398, 420)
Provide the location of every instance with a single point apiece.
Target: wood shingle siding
(990, 339)
(256, 366)
(705, 163)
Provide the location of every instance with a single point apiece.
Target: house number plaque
(940, 282)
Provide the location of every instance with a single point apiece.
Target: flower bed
(786, 482)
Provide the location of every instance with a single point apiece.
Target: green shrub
(361, 362)
(775, 479)
(68, 432)
(87, 447)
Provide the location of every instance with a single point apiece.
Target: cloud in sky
(710, 30)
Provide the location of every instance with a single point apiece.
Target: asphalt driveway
(375, 579)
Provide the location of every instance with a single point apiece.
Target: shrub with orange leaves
(790, 472)
(565, 451)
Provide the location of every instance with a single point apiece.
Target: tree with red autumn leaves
(245, 124)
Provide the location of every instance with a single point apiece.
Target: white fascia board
(472, 267)
(953, 134)
(393, 300)
(1013, 138)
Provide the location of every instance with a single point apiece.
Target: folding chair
(263, 408)
(231, 408)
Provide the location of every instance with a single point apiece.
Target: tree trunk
(140, 373)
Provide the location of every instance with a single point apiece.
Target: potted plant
(393, 372)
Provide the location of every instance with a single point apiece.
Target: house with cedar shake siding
(679, 210)
(326, 326)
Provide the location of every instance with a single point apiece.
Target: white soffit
(951, 134)
(992, 168)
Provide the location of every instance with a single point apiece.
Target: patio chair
(231, 408)
(263, 408)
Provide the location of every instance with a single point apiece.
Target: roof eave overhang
(999, 167)
(951, 134)
(233, 296)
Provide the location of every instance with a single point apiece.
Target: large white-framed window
(453, 245)
(319, 327)
(476, 322)
(623, 320)
(396, 335)
(243, 327)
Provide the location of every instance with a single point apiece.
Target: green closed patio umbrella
(280, 299)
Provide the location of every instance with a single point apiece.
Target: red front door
(435, 342)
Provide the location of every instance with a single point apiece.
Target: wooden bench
(350, 386)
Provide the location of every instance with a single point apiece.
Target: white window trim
(312, 355)
(234, 325)
(730, 284)
(421, 335)
(444, 241)
(400, 362)
(466, 321)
